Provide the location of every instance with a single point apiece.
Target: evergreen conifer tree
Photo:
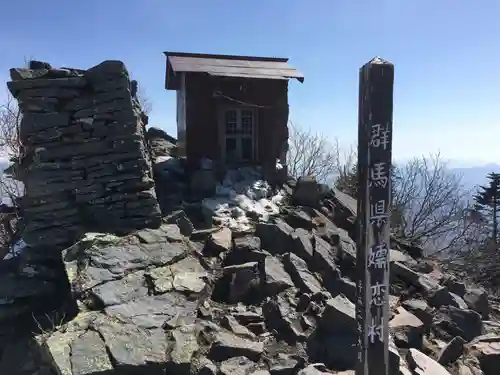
(487, 202)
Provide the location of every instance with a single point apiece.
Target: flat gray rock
(237, 366)
(130, 345)
(128, 288)
(183, 345)
(339, 315)
(421, 364)
(153, 311)
(303, 278)
(227, 345)
(89, 355)
(275, 278)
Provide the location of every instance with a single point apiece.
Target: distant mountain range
(475, 176)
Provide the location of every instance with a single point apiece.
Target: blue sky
(445, 53)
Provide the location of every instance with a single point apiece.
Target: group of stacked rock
(84, 163)
(278, 301)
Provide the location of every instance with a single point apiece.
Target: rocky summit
(241, 279)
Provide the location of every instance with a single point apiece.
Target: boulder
(420, 309)
(339, 315)
(301, 275)
(274, 277)
(306, 192)
(487, 351)
(183, 345)
(450, 321)
(237, 366)
(451, 351)
(297, 217)
(421, 364)
(477, 300)
(407, 329)
(227, 345)
(218, 242)
(275, 238)
(301, 244)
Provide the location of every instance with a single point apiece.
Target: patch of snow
(169, 163)
(163, 158)
(29, 271)
(206, 163)
(15, 250)
(243, 194)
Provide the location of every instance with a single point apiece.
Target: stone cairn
(85, 163)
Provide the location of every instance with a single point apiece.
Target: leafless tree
(10, 119)
(144, 100)
(432, 205)
(429, 204)
(10, 190)
(312, 154)
(346, 178)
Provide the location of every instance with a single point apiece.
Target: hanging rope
(221, 95)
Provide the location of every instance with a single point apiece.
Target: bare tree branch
(10, 190)
(311, 154)
(144, 101)
(432, 203)
(10, 120)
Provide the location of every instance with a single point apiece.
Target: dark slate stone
(182, 220)
(301, 245)
(300, 274)
(284, 365)
(324, 261)
(237, 366)
(477, 300)
(452, 351)
(248, 317)
(347, 288)
(89, 355)
(451, 321)
(182, 348)
(339, 315)
(130, 346)
(280, 317)
(112, 262)
(130, 287)
(71, 82)
(203, 366)
(274, 276)
(227, 345)
(337, 351)
(153, 311)
(299, 218)
(247, 244)
(420, 309)
(276, 237)
(34, 64)
(230, 323)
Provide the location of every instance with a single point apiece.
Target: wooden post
(376, 80)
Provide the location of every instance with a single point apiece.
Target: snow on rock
(243, 195)
(15, 250)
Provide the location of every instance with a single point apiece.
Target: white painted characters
(380, 136)
(378, 213)
(378, 293)
(378, 256)
(376, 330)
(379, 175)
